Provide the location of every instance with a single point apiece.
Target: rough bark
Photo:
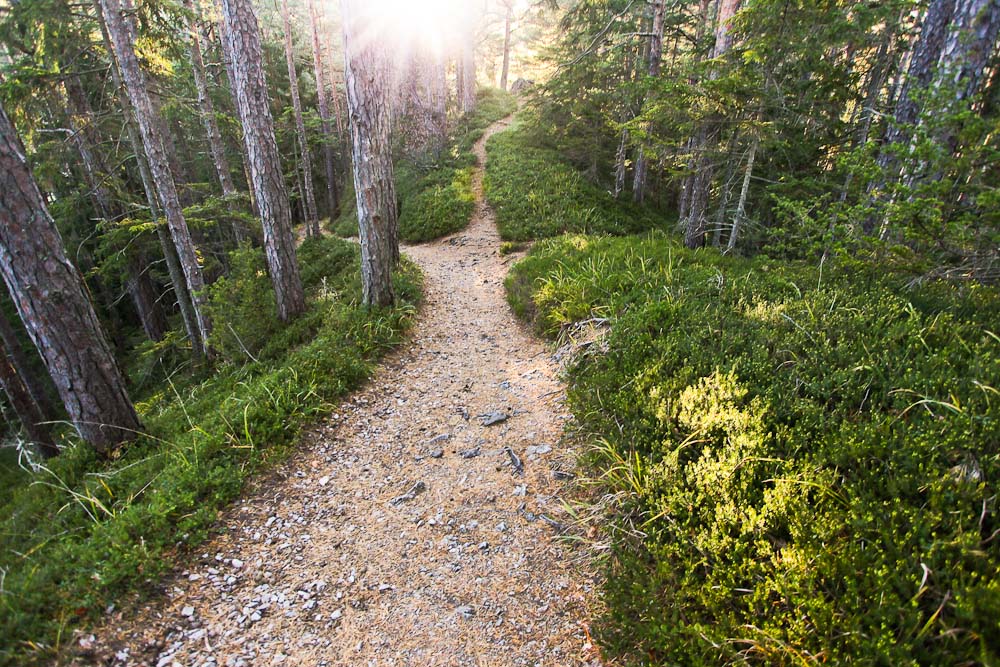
(312, 217)
(655, 59)
(620, 163)
(205, 106)
(368, 93)
(150, 128)
(51, 300)
(323, 95)
(241, 41)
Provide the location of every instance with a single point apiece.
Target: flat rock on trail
(406, 531)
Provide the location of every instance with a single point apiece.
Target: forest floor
(407, 529)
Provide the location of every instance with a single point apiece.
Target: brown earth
(328, 561)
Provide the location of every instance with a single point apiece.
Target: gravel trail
(408, 529)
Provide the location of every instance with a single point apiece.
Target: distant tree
(309, 196)
(205, 106)
(52, 302)
(323, 102)
(241, 41)
(366, 71)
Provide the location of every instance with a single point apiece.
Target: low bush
(537, 194)
(84, 532)
(806, 460)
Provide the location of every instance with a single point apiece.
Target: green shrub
(84, 532)
(537, 194)
(810, 459)
(438, 209)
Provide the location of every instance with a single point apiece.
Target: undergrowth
(436, 198)
(806, 459)
(536, 193)
(84, 532)
(435, 194)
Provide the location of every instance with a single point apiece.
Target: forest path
(328, 561)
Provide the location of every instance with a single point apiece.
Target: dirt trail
(329, 561)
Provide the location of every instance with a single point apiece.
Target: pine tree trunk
(655, 59)
(332, 191)
(206, 108)
(312, 218)
(231, 80)
(335, 95)
(22, 366)
(367, 76)
(51, 300)
(700, 182)
(506, 46)
(139, 285)
(27, 411)
(241, 40)
(150, 129)
(143, 293)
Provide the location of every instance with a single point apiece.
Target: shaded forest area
(767, 229)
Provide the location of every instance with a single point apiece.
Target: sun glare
(424, 24)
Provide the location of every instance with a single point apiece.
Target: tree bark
(138, 283)
(655, 59)
(241, 40)
(207, 109)
(150, 128)
(51, 300)
(312, 218)
(368, 93)
(27, 411)
(332, 191)
(22, 366)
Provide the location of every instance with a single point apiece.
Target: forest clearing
(513, 332)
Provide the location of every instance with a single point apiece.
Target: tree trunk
(231, 80)
(332, 191)
(27, 411)
(241, 40)
(700, 182)
(334, 93)
(655, 59)
(742, 206)
(506, 45)
(312, 218)
(207, 109)
(32, 382)
(138, 283)
(122, 42)
(51, 300)
(368, 89)
(144, 298)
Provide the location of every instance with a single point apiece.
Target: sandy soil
(330, 561)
